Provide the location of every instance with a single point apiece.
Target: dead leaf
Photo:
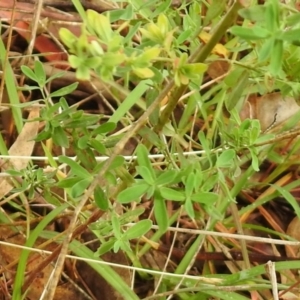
(271, 109)
(291, 276)
(23, 146)
(293, 231)
(218, 68)
(10, 254)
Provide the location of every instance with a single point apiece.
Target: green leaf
(68, 38)
(132, 99)
(98, 146)
(116, 163)
(266, 50)
(193, 71)
(215, 294)
(115, 221)
(215, 9)
(190, 184)
(78, 188)
(253, 33)
(206, 146)
(237, 91)
(68, 182)
(96, 50)
(100, 198)
(138, 230)
(117, 245)
(93, 62)
(55, 76)
(51, 199)
(142, 158)
(255, 13)
(189, 208)
(83, 73)
(110, 177)
(171, 194)
(161, 8)
(276, 57)
(60, 138)
(75, 61)
(264, 138)
(255, 131)
(207, 198)
(143, 73)
(66, 90)
(225, 158)
(163, 24)
(149, 135)
(121, 14)
(44, 135)
(112, 60)
(82, 142)
(29, 73)
(105, 247)
(14, 172)
(147, 56)
(150, 192)
(153, 33)
(183, 36)
(132, 193)
(100, 24)
(146, 174)
(75, 167)
(290, 35)
(292, 19)
(254, 159)
(160, 213)
(104, 128)
(167, 177)
(272, 15)
(9, 78)
(40, 73)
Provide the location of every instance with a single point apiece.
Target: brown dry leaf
(6, 116)
(218, 68)
(10, 254)
(23, 146)
(271, 109)
(293, 231)
(290, 276)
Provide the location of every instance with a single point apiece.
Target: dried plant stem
(291, 134)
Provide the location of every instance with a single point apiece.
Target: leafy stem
(197, 57)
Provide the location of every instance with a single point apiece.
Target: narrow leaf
(75, 167)
(132, 193)
(138, 230)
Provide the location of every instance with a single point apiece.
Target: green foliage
(110, 54)
(152, 61)
(32, 178)
(273, 32)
